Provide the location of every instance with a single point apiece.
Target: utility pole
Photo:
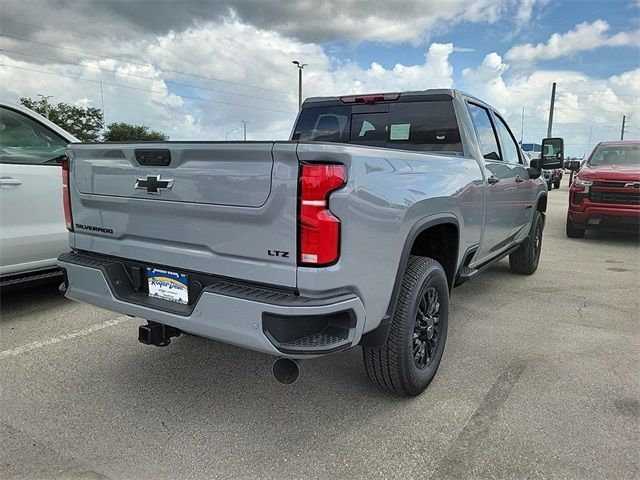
(589, 145)
(300, 68)
(624, 119)
(553, 102)
(244, 125)
(45, 99)
(522, 128)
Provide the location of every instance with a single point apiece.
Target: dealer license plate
(167, 285)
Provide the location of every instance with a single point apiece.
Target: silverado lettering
(94, 229)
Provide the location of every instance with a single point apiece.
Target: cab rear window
(428, 126)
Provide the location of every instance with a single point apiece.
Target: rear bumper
(258, 318)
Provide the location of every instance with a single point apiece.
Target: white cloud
(238, 72)
(232, 70)
(525, 10)
(588, 110)
(585, 36)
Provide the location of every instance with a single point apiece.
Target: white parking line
(12, 352)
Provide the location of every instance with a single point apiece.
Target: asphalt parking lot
(539, 380)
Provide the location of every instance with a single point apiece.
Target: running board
(465, 274)
(30, 279)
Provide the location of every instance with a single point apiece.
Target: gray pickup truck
(354, 232)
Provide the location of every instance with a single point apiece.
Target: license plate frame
(168, 285)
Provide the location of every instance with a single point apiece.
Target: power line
(171, 82)
(598, 93)
(146, 89)
(76, 35)
(600, 110)
(575, 114)
(141, 64)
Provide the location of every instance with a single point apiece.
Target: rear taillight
(66, 198)
(318, 228)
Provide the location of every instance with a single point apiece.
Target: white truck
(32, 226)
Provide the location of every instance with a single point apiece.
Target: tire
(549, 186)
(557, 184)
(407, 362)
(525, 260)
(572, 230)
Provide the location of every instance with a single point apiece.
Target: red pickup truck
(605, 193)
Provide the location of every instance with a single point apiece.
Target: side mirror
(552, 155)
(534, 170)
(573, 165)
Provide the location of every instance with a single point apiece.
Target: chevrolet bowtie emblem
(153, 184)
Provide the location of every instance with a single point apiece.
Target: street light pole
(244, 125)
(46, 98)
(300, 68)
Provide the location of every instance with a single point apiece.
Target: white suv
(32, 225)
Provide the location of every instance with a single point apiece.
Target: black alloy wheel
(426, 333)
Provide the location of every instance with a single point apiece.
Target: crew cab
(605, 193)
(354, 232)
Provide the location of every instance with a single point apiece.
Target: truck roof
(411, 95)
(610, 143)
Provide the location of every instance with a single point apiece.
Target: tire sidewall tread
(392, 366)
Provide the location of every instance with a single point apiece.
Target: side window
(486, 134)
(25, 141)
(508, 143)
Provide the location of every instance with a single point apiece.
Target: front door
(32, 229)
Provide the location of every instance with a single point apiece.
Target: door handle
(493, 180)
(519, 179)
(10, 181)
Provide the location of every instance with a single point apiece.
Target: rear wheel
(573, 230)
(557, 183)
(549, 186)
(525, 260)
(407, 362)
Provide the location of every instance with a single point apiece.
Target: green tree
(82, 122)
(126, 132)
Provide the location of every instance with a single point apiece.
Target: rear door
(226, 209)
(32, 227)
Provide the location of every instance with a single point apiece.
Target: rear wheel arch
(445, 230)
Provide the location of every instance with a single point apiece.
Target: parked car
(354, 233)
(605, 193)
(553, 177)
(32, 227)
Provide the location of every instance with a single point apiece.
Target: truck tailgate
(218, 208)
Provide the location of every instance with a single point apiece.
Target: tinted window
(616, 155)
(23, 140)
(510, 146)
(423, 126)
(486, 134)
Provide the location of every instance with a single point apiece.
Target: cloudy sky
(195, 69)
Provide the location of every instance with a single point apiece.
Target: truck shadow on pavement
(23, 301)
(613, 238)
(196, 375)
